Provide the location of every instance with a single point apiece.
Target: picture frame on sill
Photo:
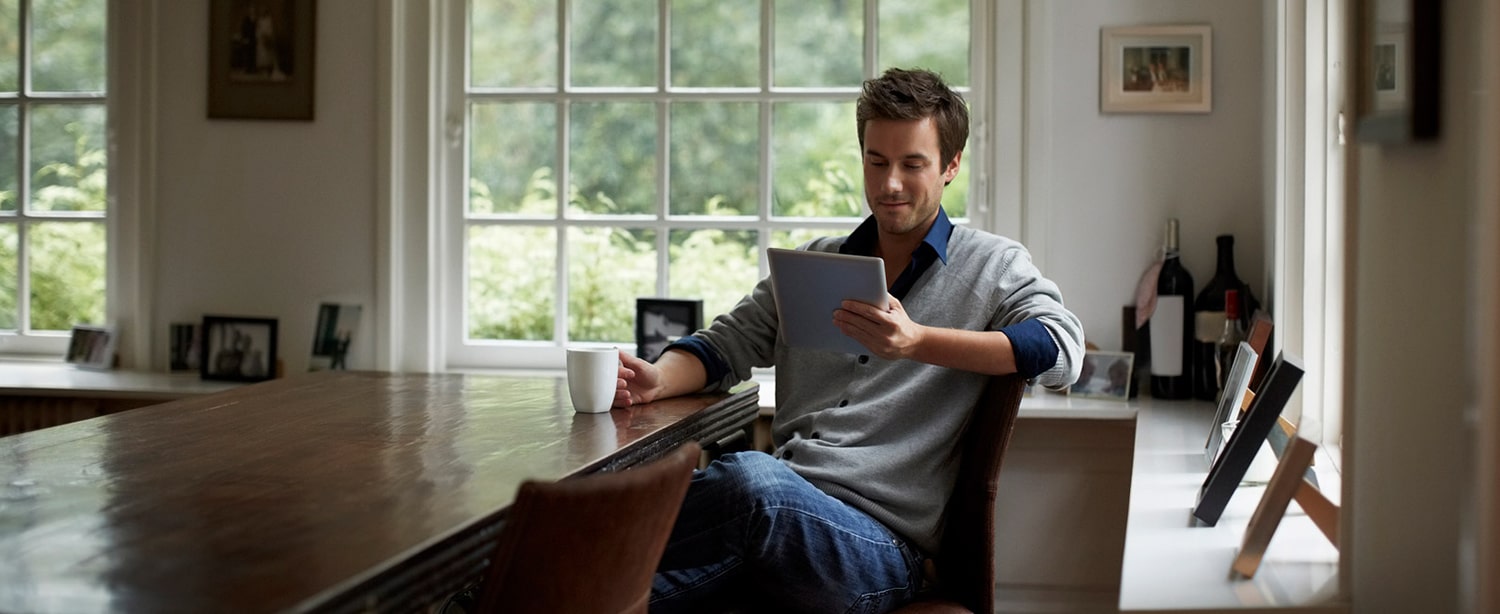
(91, 347)
(1104, 375)
(238, 349)
(184, 347)
(1398, 75)
(1156, 69)
(660, 321)
(1229, 468)
(261, 60)
(333, 335)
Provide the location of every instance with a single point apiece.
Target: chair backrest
(966, 558)
(587, 544)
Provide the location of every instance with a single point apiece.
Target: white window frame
(446, 226)
(24, 342)
(1310, 255)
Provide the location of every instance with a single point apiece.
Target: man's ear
(951, 171)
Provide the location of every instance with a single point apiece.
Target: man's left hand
(888, 333)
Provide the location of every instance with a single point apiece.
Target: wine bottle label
(1166, 335)
(1210, 326)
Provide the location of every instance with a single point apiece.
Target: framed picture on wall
(260, 59)
(1156, 69)
(238, 349)
(660, 321)
(1398, 69)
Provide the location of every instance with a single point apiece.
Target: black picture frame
(261, 59)
(1399, 70)
(91, 347)
(333, 335)
(660, 321)
(238, 349)
(1229, 468)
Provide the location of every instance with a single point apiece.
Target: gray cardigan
(882, 435)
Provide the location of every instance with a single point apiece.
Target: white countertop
(1171, 565)
(61, 379)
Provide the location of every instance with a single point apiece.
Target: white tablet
(810, 285)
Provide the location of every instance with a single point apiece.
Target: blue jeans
(753, 533)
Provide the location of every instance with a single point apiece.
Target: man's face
(904, 176)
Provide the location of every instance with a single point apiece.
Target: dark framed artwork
(184, 347)
(91, 347)
(660, 321)
(331, 338)
(1399, 68)
(1229, 468)
(260, 59)
(238, 349)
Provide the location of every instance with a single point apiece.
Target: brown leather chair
(587, 544)
(965, 561)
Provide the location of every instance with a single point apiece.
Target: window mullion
(872, 38)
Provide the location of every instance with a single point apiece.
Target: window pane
(717, 266)
(614, 43)
(956, 195)
(9, 143)
(10, 46)
(67, 274)
(511, 149)
(715, 158)
(792, 239)
(817, 166)
(67, 158)
(607, 269)
(512, 274)
(820, 44)
(715, 43)
(612, 158)
(500, 31)
(9, 277)
(67, 45)
(933, 34)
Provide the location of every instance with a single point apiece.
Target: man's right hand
(640, 381)
(675, 372)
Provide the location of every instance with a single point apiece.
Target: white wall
(1101, 186)
(266, 218)
(1412, 451)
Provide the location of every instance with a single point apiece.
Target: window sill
(57, 379)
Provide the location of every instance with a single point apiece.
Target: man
(846, 510)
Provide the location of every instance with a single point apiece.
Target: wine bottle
(1171, 328)
(1228, 344)
(1208, 317)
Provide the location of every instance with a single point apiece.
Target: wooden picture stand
(1286, 484)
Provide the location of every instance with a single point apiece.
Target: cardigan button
(863, 359)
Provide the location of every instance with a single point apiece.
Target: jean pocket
(881, 601)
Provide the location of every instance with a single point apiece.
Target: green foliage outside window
(713, 150)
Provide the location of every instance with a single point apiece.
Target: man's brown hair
(914, 94)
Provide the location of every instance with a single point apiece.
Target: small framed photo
(1229, 467)
(660, 321)
(91, 347)
(1398, 70)
(1156, 69)
(238, 349)
(334, 333)
(260, 59)
(1105, 375)
(184, 347)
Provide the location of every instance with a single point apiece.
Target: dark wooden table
(334, 491)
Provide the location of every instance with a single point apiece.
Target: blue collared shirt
(1034, 349)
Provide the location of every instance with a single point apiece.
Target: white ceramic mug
(592, 375)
